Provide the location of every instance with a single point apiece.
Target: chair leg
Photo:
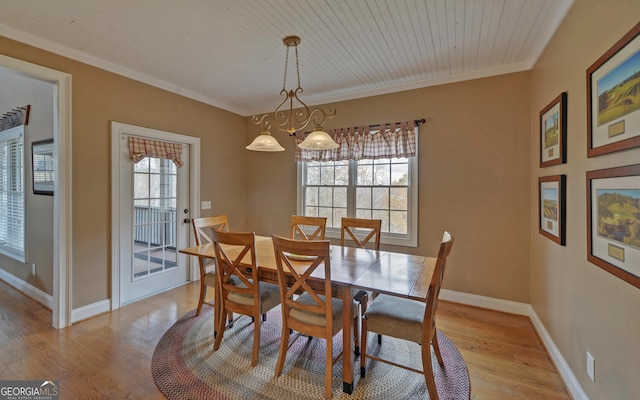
(203, 294)
(256, 342)
(363, 353)
(264, 317)
(428, 372)
(230, 319)
(284, 346)
(328, 368)
(379, 339)
(436, 348)
(219, 330)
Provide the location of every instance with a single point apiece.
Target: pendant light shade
(265, 142)
(318, 140)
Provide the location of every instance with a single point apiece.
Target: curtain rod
(416, 122)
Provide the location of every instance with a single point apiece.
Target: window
(12, 193)
(383, 189)
(154, 216)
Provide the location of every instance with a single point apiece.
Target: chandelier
(290, 120)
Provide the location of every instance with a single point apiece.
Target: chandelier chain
(286, 64)
(297, 67)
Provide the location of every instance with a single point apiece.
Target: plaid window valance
(141, 148)
(395, 140)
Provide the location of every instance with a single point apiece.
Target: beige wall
(18, 90)
(473, 173)
(100, 97)
(583, 307)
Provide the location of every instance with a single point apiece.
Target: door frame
(118, 128)
(62, 207)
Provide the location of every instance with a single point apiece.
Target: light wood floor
(109, 356)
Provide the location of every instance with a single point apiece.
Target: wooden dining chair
(362, 233)
(410, 320)
(299, 222)
(240, 289)
(304, 308)
(202, 230)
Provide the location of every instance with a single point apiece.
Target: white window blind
(12, 193)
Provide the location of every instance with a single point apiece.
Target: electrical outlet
(205, 205)
(591, 366)
(33, 269)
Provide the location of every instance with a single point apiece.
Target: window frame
(408, 240)
(6, 248)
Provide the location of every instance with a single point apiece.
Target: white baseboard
(46, 300)
(90, 310)
(491, 303)
(565, 371)
(28, 289)
(567, 375)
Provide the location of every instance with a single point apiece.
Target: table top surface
(393, 273)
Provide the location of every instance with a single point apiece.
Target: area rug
(184, 365)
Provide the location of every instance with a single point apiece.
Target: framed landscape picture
(553, 132)
(613, 226)
(552, 208)
(613, 95)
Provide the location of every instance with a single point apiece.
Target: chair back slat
(299, 222)
(351, 226)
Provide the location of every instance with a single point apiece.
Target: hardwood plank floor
(109, 356)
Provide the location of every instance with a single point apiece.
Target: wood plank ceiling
(229, 53)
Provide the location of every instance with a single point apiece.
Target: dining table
(392, 273)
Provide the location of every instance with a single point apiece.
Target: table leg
(347, 321)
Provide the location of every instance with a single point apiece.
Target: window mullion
(351, 190)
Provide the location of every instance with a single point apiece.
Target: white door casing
(62, 201)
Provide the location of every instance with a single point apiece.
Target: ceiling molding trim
(46, 45)
(325, 99)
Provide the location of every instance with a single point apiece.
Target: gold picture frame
(613, 225)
